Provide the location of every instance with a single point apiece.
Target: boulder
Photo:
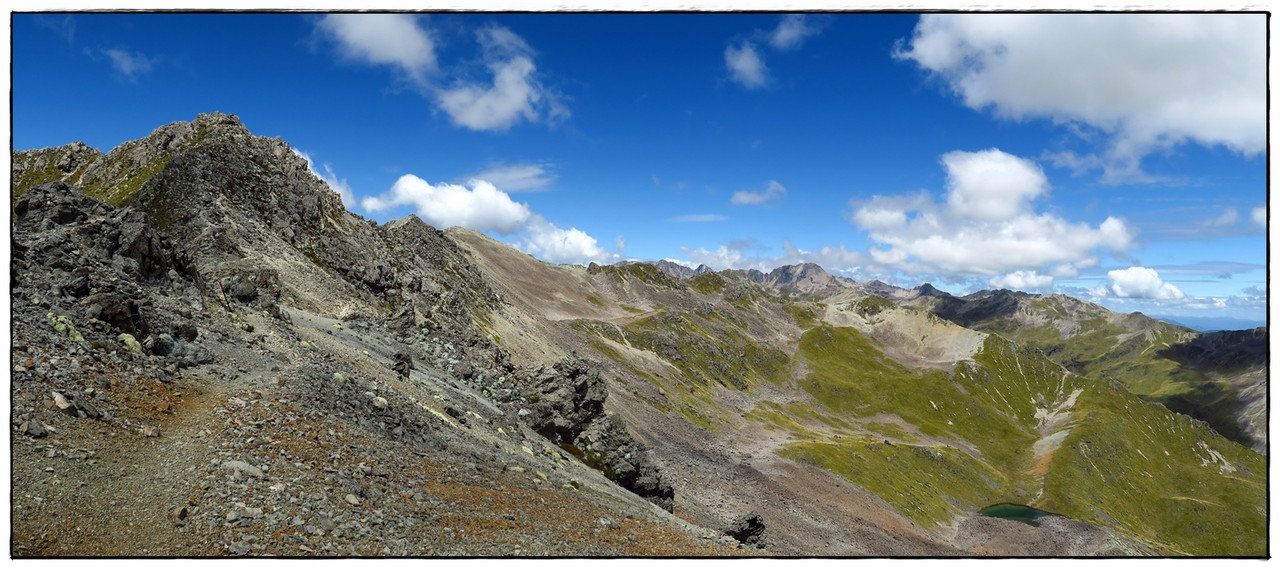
(747, 529)
(402, 363)
(606, 445)
(561, 399)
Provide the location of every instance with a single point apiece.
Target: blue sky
(1119, 158)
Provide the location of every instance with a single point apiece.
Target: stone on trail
(242, 466)
(33, 428)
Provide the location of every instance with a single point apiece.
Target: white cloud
(991, 185)
(1149, 81)
(985, 225)
(336, 184)
(1023, 280)
(517, 177)
(514, 94)
(129, 65)
(791, 32)
(698, 218)
(745, 65)
(482, 207)
(1259, 217)
(772, 191)
(384, 39)
(1141, 282)
(478, 206)
(558, 245)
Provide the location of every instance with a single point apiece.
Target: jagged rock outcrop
(748, 529)
(107, 260)
(566, 405)
(563, 397)
(607, 446)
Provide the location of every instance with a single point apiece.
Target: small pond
(1015, 512)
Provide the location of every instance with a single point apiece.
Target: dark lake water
(1015, 512)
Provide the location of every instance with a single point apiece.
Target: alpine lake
(1015, 512)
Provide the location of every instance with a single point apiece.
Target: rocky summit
(211, 356)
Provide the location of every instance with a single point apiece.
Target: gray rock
(244, 467)
(748, 529)
(163, 345)
(34, 429)
(563, 398)
(402, 363)
(61, 403)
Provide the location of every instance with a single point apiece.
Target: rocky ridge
(108, 284)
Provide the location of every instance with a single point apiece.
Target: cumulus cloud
(1141, 282)
(482, 207)
(129, 64)
(1023, 280)
(791, 32)
(514, 93)
(562, 245)
(478, 205)
(772, 191)
(517, 177)
(1147, 81)
(1259, 216)
(991, 185)
(745, 65)
(338, 185)
(383, 39)
(984, 226)
(744, 61)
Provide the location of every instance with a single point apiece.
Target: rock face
(624, 460)
(103, 257)
(566, 405)
(748, 529)
(563, 398)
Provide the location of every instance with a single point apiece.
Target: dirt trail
(117, 496)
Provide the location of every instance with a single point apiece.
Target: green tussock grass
(920, 482)
(1144, 467)
(1101, 350)
(806, 315)
(850, 376)
(706, 283)
(720, 355)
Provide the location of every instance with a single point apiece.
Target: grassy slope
(1168, 480)
(1174, 502)
(1106, 351)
